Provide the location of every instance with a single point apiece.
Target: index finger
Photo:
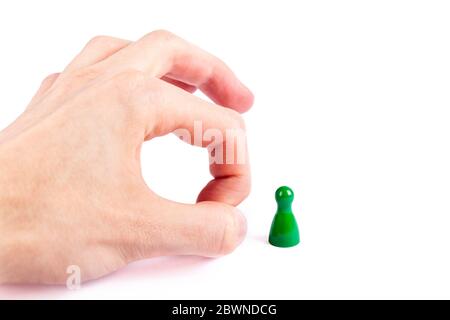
(161, 53)
(163, 108)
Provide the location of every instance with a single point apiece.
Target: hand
(71, 189)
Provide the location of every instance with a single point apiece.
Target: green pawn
(284, 231)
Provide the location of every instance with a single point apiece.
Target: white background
(352, 111)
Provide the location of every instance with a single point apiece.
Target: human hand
(71, 189)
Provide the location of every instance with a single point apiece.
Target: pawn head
(284, 196)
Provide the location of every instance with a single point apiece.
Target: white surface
(352, 111)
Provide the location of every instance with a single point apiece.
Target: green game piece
(284, 231)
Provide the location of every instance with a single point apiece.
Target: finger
(186, 87)
(207, 229)
(158, 108)
(46, 84)
(102, 47)
(161, 53)
(232, 182)
(201, 123)
(96, 50)
(228, 189)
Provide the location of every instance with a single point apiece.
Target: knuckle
(99, 41)
(160, 35)
(50, 78)
(128, 80)
(83, 74)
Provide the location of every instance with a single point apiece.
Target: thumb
(207, 229)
